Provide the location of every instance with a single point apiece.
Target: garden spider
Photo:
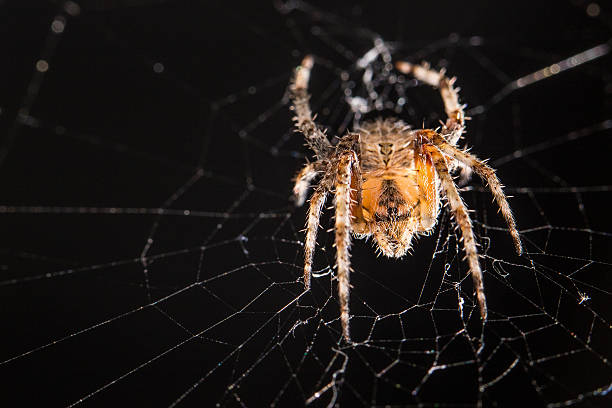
(387, 180)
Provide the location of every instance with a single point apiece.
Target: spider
(387, 179)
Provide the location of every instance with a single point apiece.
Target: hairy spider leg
(489, 177)
(304, 122)
(455, 124)
(302, 183)
(346, 163)
(347, 172)
(312, 224)
(462, 219)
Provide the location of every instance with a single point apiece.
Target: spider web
(151, 255)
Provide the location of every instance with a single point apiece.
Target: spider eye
(396, 211)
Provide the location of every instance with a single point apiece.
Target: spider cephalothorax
(387, 180)
(393, 207)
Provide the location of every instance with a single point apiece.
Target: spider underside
(387, 180)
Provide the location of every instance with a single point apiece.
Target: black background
(101, 130)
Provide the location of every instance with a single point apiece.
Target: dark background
(111, 292)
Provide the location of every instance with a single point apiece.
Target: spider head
(389, 208)
(394, 237)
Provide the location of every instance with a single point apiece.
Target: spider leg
(465, 224)
(302, 182)
(304, 122)
(488, 175)
(347, 161)
(455, 123)
(312, 224)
